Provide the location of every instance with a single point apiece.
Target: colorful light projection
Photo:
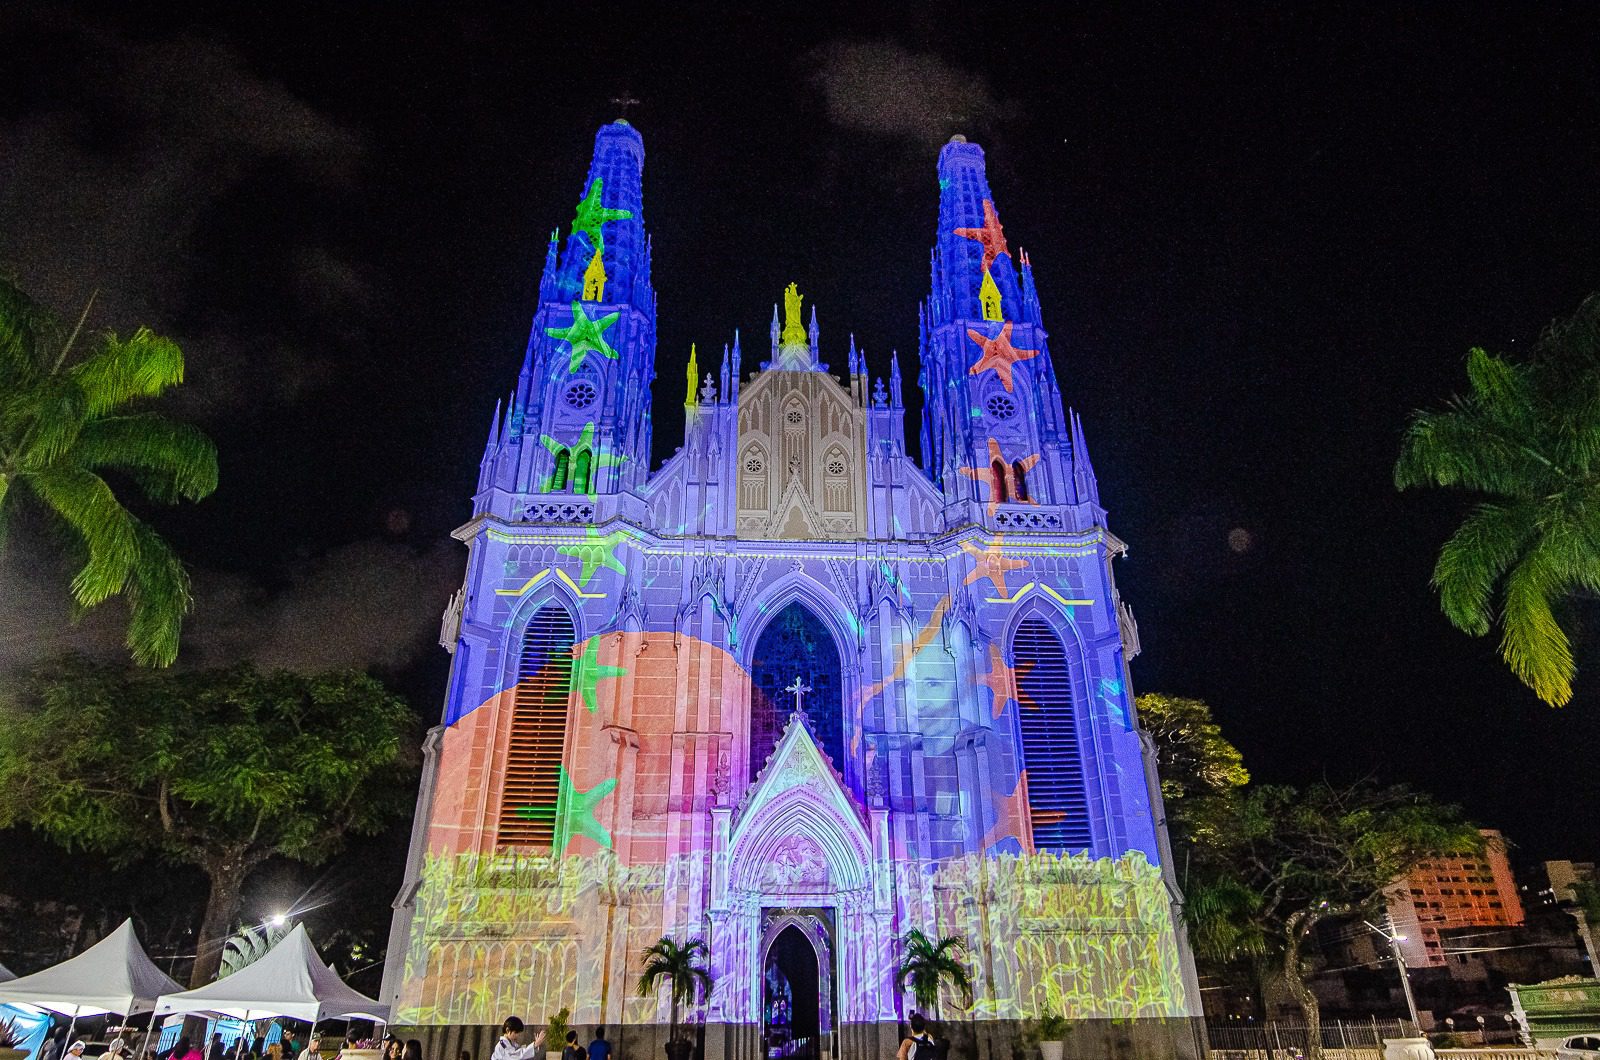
(664, 800)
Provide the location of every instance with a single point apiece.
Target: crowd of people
(511, 1047)
(920, 1045)
(124, 1045)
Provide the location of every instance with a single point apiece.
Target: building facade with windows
(1476, 890)
(794, 692)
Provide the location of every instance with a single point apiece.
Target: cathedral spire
(974, 276)
(1085, 487)
(609, 219)
(690, 401)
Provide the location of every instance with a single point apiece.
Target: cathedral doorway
(796, 990)
(795, 644)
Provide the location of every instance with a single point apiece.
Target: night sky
(1261, 240)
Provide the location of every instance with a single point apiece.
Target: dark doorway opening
(791, 998)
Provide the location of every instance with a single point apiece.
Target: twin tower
(793, 693)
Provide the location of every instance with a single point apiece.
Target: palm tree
(70, 413)
(927, 965)
(1526, 436)
(683, 970)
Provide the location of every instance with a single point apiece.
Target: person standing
(313, 1049)
(184, 1050)
(51, 1047)
(412, 1050)
(920, 1040)
(509, 1046)
(599, 1048)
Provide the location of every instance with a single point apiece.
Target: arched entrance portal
(796, 987)
(790, 998)
(795, 644)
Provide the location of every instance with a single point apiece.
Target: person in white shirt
(507, 1048)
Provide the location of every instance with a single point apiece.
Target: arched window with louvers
(1052, 751)
(538, 734)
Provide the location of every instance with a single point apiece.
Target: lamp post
(1394, 941)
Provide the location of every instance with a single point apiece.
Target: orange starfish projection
(990, 563)
(991, 235)
(1009, 476)
(998, 353)
(1004, 680)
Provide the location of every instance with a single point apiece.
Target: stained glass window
(795, 644)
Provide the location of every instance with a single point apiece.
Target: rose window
(1001, 407)
(580, 395)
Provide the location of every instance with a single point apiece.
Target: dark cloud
(114, 172)
(370, 604)
(884, 88)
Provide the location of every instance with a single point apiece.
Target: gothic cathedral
(793, 693)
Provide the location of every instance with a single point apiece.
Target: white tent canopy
(6, 974)
(289, 980)
(113, 975)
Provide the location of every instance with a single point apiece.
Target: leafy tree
(1526, 437)
(1192, 756)
(681, 968)
(220, 769)
(1199, 765)
(927, 965)
(69, 412)
(1275, 862)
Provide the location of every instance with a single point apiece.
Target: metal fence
(1341, 1039)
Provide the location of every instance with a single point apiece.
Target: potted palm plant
(1051, 1033)
(927, 965)
(11, 1042)
(683, 970)
(555, 1032)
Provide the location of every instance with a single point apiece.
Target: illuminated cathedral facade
(794, 693)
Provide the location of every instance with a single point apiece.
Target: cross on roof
(799, 688)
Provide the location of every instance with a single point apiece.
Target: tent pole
(145, 1045)
(72, 1026)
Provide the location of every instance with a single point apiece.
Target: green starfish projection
(591, 672)
(576, 810)
(591, 215)
(598, 550)
(585, 335)
(600, 457)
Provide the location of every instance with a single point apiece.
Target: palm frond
(22, 323)
(1459, 447)
(1534, 644)
(43, 423)
(83, 501)
(1473, 559)
(122, 370)
(158, 598)
(171, 460)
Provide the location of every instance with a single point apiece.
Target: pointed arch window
(1058, 801)
(538, 734)
(558, 475)
(580, 471)
(753, 476)
(836, 483)
(1021, 479)
(998, 469)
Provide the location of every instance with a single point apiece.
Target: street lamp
(1394, 941)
